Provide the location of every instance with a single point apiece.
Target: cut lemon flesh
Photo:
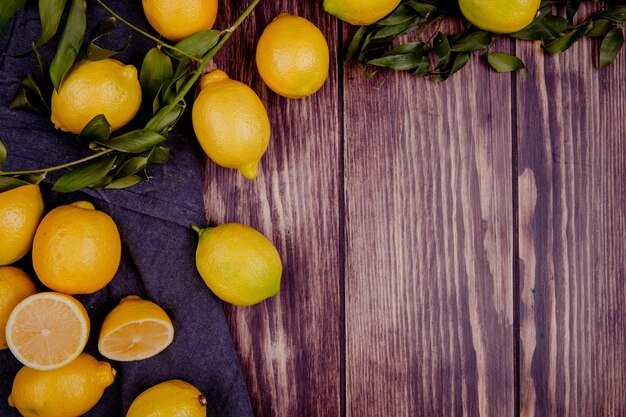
(136, 341)
(47, 330)
(136, 329)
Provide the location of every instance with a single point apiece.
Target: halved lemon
(47, 330)
(136, 329)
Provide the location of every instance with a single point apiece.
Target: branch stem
(54, 168)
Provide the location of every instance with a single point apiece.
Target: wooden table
(450, 249)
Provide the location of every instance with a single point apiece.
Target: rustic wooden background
(450, 249)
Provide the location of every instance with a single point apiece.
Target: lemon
(20, 212)
(500, 16)
(136, 329)
(177, 19)
(77, 249)
(231, 123)
(292, 57)
(15, 286)
(238, 264)
(96, 87)
(47, 330)
(69, 391)
(360, 12)
(172, 398)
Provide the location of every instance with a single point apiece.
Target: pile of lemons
(76, 249)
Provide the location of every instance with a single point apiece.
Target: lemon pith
(47, 330)
(136, 329)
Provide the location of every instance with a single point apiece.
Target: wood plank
(289, 346)
(429, 286)
(571, 134)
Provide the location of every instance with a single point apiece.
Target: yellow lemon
(47, 330)
(77, 249)
(231, 123)
(136, 329)
(238, 264)
(69, 391)
(15, 286)
(20, 212)
(169, 399)
(292, 57)
(360, 12)
(177, 19)
(500, 16)
(96, 87)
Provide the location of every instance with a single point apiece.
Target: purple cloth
(154, 220)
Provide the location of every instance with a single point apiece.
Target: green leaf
(43, 65)
(103, 28)
(422, 9)
(564, 42)
(156, 71)
(611, 45)
(165, 118)
(50, 12)
(159, 155)
(98, 129)
(136, 141)
(84, 176)
(8, 9)
(131, 166)
(34, 178)
(9, 183)
(406, 12)
(397, 30)
(459, 62)
(70, 42)
(441, 47)
(355, 46)
(473, 41)
(29, 97)
(3, 153)
(617, 14)
(401, 58)
(124, 182)
(544, 28)
(503, 62)
(197, 44)
(571, 9)
(600, 27)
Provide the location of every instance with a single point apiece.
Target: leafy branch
(120, 161)
(441, 55)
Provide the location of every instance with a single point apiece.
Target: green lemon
(238, 264)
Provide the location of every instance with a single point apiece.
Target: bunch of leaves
(384, 44)
(167, 74)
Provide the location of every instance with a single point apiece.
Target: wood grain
(289, 346)
(429, 285)
(571, 137)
